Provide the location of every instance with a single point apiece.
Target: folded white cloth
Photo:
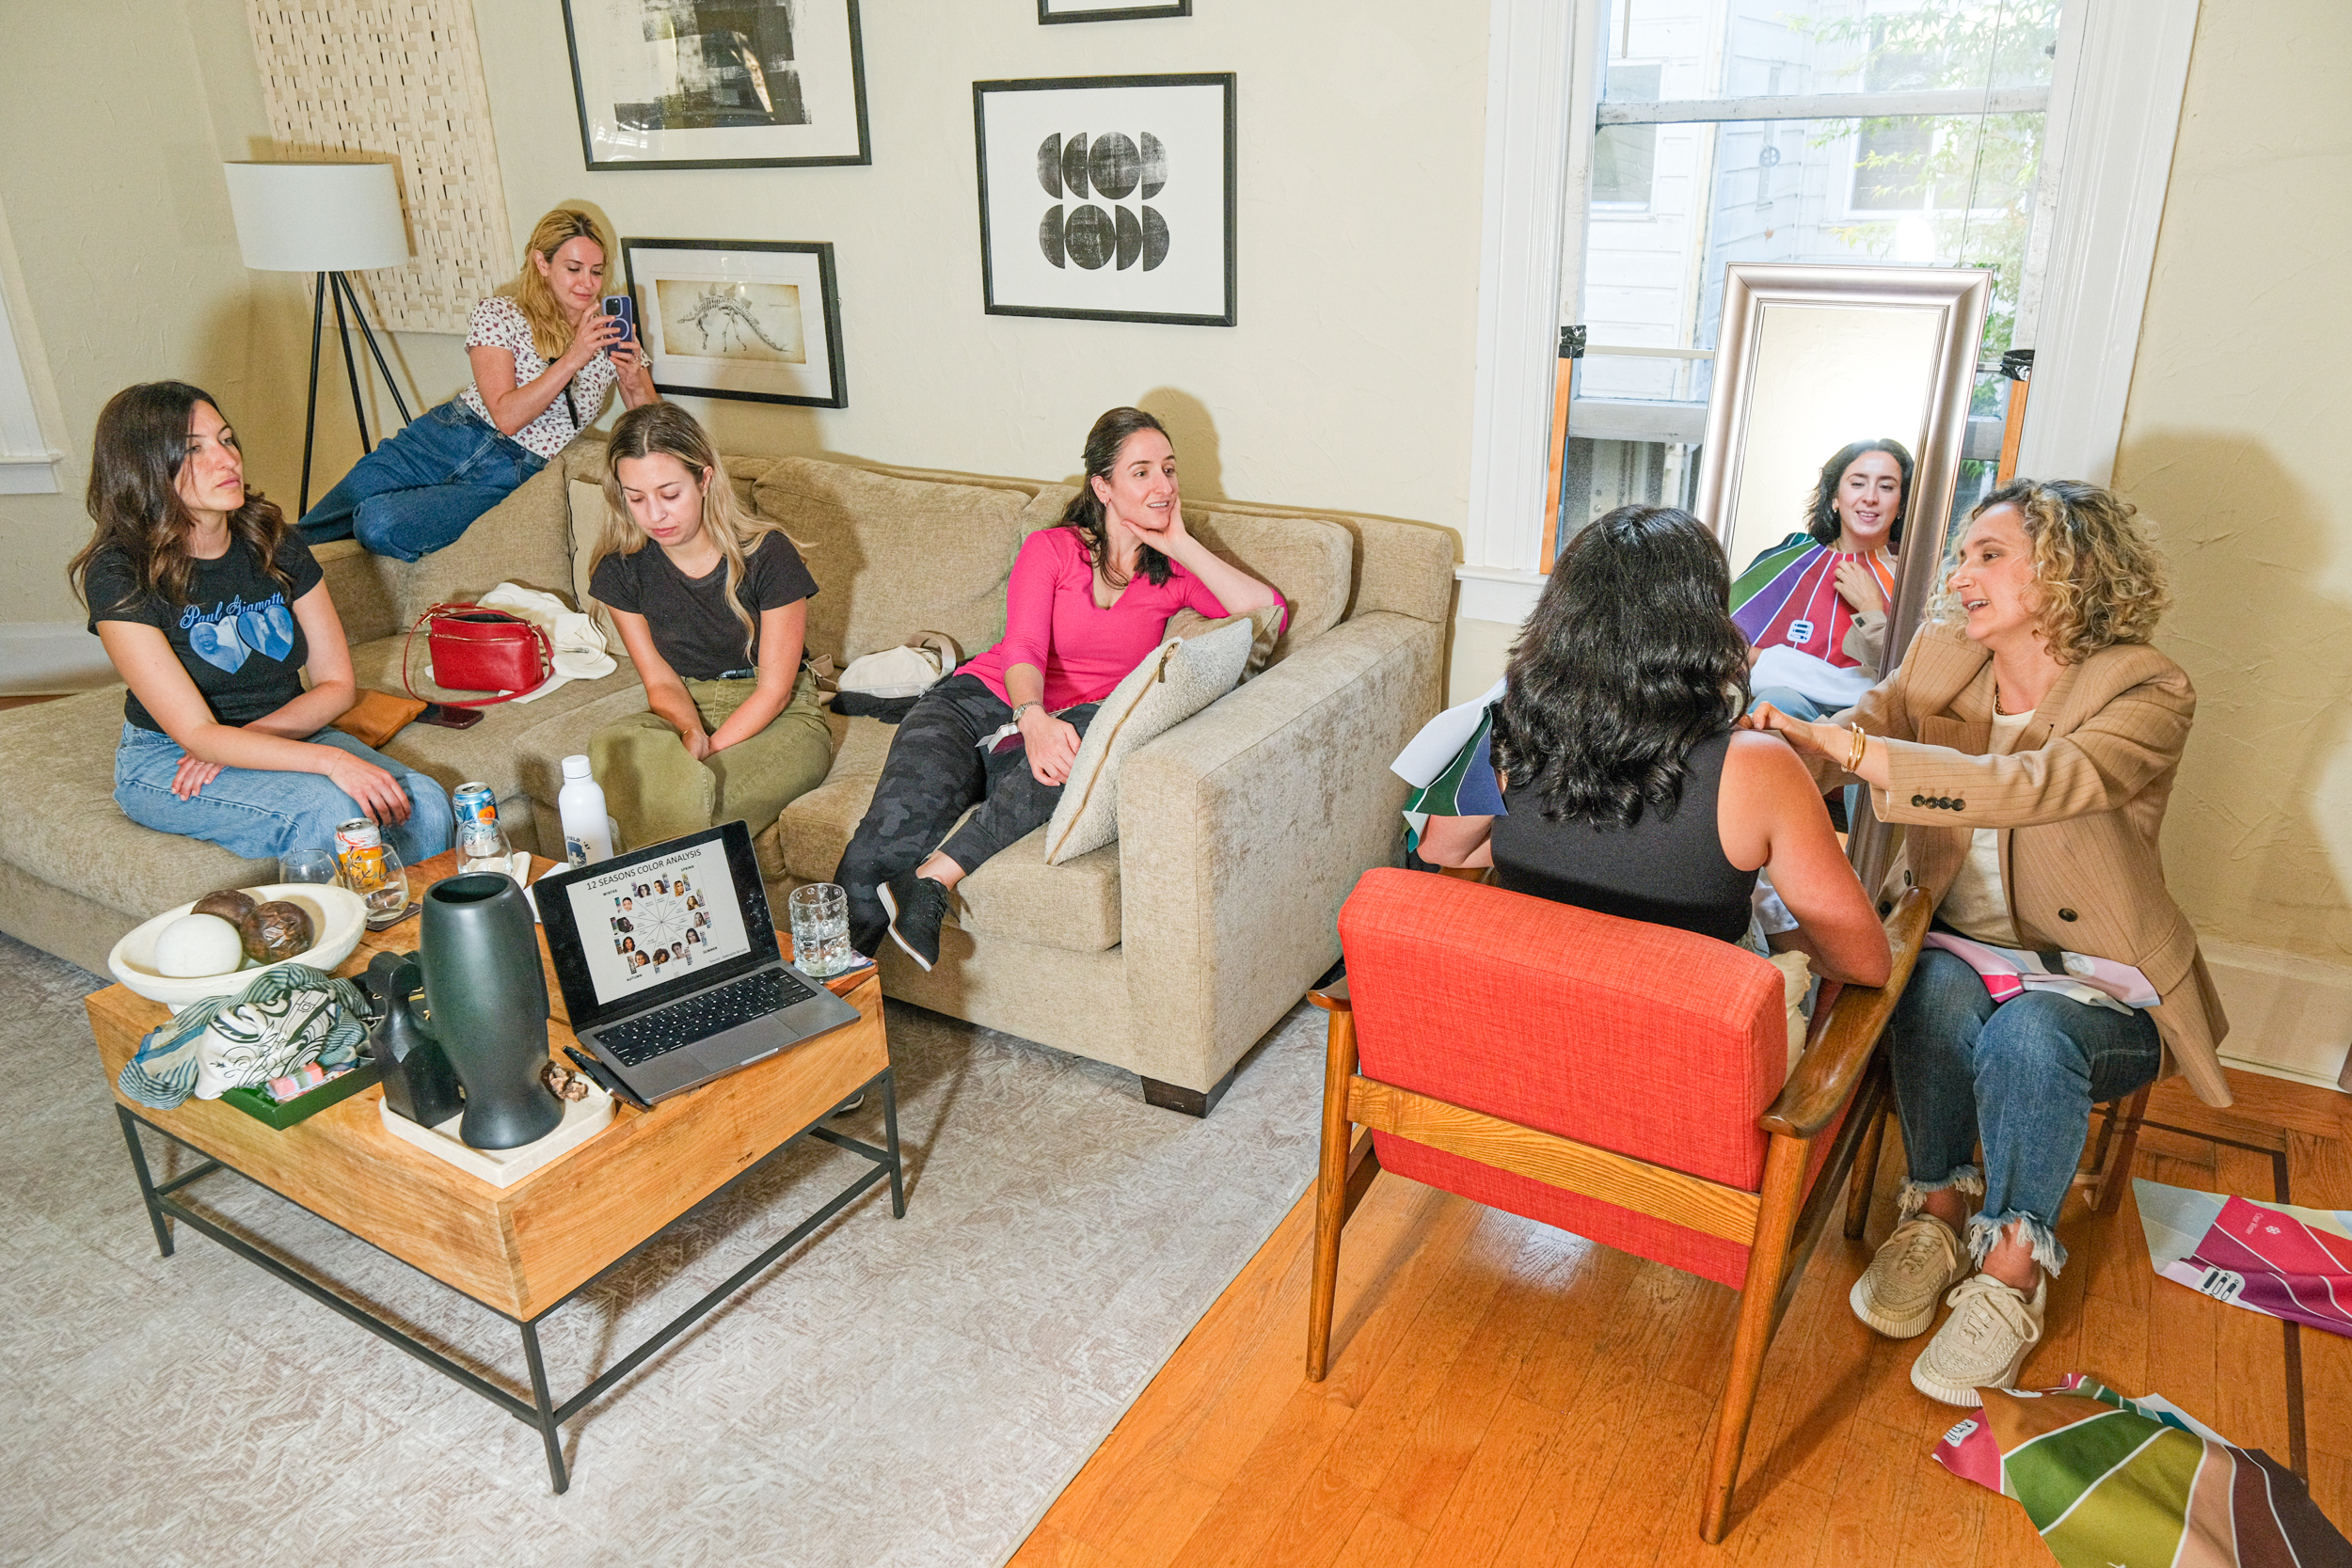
(579, 649)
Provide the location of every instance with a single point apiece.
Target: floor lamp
(332, 219)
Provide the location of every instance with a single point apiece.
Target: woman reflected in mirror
(1814, 606)
(2026, 749)
(1624, 784)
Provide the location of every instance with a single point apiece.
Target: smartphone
(449, 718)
(625, 308)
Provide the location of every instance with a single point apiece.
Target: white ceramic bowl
(337, 915)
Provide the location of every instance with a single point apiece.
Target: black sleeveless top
(1667, 870)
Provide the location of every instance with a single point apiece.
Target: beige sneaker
(1983, 1343)
(1898, 1292)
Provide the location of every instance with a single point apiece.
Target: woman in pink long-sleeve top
(1088, 600)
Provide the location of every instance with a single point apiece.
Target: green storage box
(261, 1107)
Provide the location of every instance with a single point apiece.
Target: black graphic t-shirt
(236, 634)
(693, 629)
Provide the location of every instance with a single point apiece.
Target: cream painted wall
(1346, 383)
(2233, 443)
(114, 198)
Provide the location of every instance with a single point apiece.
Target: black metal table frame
(541, 1412)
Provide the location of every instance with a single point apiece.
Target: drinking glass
(382, 884)
(483, 846)
(820, 929)
(308, 865)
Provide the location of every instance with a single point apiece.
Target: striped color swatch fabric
(2271, 1258)
(1788, 597)
(2116, 1483)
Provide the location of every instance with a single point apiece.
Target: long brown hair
(551, 328)
(667, 430)
(1085, 515)
(134, 495)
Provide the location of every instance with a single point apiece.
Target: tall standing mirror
(1811, 361)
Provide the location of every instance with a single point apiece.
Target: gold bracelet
(1860, 744)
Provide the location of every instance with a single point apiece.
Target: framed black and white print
(1108, 198)
(758, 320)
(1099, 11)
(718, 84)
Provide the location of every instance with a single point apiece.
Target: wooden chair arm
(1333, 998)
(1833, 1065)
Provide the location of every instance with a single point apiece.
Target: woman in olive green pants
(714, 618)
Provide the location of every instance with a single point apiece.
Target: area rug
(911, 1391)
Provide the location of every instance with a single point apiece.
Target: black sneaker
(917, 906)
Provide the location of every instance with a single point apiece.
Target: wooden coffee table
(522, 1250)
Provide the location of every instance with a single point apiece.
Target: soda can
(477, 805)
(360, 849)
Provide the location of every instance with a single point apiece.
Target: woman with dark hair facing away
(210, 607)
(1624, 785)
(1089, 598)
(545, 357)
(2026, 749)
(712, 603)
(1814, 606)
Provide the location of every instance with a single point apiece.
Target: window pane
(1756, 48)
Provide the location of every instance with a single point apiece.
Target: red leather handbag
(473, 649)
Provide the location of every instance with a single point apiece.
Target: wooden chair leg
(1865, 1179)
(1760, 1299)
(1331, 1185)
(2118, 1169)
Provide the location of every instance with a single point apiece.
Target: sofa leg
(1192, 1102)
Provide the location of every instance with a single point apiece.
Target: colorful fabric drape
(2114, 1483)
(1450, 766)
(1788, 597)
(2270, 1258)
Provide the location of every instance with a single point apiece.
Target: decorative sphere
(198, 946)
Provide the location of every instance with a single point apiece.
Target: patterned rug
(893, 1392)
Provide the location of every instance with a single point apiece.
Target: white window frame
(31, 419)
(2113, 106)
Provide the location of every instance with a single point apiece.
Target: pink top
(1053, 623)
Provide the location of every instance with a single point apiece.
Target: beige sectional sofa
(1167, 952)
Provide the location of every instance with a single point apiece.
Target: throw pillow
(1175, 681)
(587, 509)
(1266, 628)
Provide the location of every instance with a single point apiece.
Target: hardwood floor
(1505, 1393)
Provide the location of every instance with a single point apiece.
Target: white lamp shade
(317, 217)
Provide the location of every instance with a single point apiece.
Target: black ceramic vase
(419, 1083)
(488, 998)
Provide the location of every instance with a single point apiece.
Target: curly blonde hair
(2100, 578)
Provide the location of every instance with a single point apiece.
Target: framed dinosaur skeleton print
(758, 320)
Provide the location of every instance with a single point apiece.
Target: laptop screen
(671, 916)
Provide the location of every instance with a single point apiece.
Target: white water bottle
(587, 831)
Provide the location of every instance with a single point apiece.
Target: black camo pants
(935, 771)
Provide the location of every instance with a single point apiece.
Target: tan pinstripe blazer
(2079, 802)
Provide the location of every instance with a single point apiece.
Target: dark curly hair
(1084, 514)
(1820, 517)
(1629, 661)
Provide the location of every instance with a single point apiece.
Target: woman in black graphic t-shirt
(210, 606)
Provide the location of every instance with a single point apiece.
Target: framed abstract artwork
(718, 84)
(758, 320)
(1095, 10)
(1108, 198)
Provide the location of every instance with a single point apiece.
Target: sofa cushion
(1174, 682)
(1309, 559)
(59, 823)
(893, 556)
(491, 752)
(1075, 906)
(586, 515)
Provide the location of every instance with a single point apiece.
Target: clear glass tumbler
(382, 883)
(820, 929)
(308, 865)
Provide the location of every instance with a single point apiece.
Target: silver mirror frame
(1962, 296)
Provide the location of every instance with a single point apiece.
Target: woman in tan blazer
(2028, 746)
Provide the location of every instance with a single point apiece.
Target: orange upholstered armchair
(1618, 1080)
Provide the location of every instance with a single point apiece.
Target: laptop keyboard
(698, 1018)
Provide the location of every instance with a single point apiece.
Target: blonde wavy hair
(551, 328)
(665, 429)
(2097, 570)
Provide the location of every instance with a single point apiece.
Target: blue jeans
(261, 814)
(1796, 704)
(2020, 1077)
(420, 490)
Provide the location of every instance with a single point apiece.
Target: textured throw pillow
(1175, 681)
(587, 509)
(1265, 628)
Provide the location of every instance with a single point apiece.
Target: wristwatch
(1019, 711)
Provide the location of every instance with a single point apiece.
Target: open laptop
(668, 961)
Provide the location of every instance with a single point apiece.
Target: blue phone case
(625, 308)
